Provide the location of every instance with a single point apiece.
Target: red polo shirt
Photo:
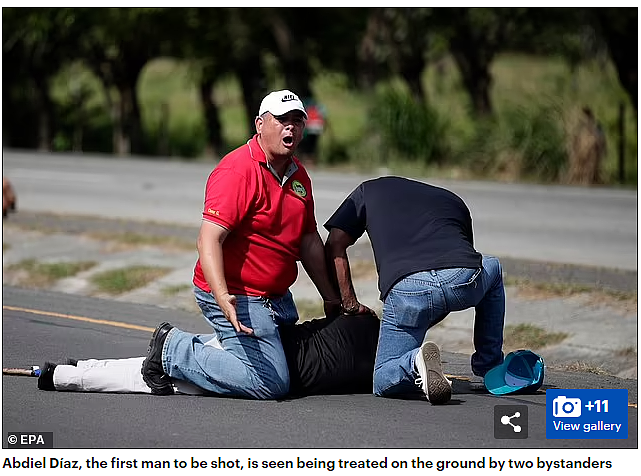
(266, 222)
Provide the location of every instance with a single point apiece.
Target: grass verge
(528, 336)
(37, 274)
(134, 239)
(628, 353)
(84, 226)
(546, 290)
(118, 281)
(584, 367)
(173, 290)
(534, 289)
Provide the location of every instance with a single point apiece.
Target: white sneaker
(436, 386)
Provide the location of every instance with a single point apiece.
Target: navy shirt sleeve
(351, 216)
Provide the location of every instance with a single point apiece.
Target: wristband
(352, 310)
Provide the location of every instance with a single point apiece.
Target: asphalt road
(574, 225)
(34, 331)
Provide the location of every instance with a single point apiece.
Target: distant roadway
(573, 225)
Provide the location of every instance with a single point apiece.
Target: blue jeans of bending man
(421, 300)
(249, 366)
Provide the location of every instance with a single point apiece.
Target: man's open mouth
(288, 141)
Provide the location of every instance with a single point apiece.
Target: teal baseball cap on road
(522, 371)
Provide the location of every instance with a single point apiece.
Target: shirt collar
(256, 152)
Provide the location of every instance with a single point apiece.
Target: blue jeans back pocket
(411, 308)
(469, 292)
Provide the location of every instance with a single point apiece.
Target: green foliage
(135, 239)
(532, 97)
(38, 274)
(537, 134)
(528, 336)
(185, 139)
(264, 48)
(175, 289)
(117, 281)
(526, 140)
(332, 152)
(407, 126)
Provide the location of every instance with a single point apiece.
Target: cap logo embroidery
(288, 97)
(299, 189)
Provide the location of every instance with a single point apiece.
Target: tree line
(258, 46)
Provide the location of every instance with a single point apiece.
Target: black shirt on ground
(331, 356)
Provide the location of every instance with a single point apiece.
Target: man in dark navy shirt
(427, 266)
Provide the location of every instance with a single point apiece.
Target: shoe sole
(166, 389)
(439, 390)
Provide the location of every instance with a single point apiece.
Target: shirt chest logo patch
(299, 189)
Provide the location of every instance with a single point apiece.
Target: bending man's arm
(313, 258)
(336, 254)
(210, 251)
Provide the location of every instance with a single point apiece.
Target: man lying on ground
(324, 356)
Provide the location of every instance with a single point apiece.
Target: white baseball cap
(281, 102)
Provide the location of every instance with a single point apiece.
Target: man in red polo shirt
(258, 221)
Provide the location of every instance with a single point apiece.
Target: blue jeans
(249, 366)
(421, 300)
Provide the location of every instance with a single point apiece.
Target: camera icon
(563, 406)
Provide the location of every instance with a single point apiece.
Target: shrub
(406, 127)
(184, 138)
(332, 152)
(523, 141)
(537, 134)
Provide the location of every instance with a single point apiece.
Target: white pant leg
(124, 377)
(114, 375)
(93, 363)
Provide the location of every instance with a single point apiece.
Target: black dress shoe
(45, 380)
(152, 372)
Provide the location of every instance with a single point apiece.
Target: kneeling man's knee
(273, 389)
(380, 385)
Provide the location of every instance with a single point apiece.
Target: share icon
(511, 422)
(507, 420)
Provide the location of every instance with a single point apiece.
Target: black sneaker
(45, 380)
(152, 372)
